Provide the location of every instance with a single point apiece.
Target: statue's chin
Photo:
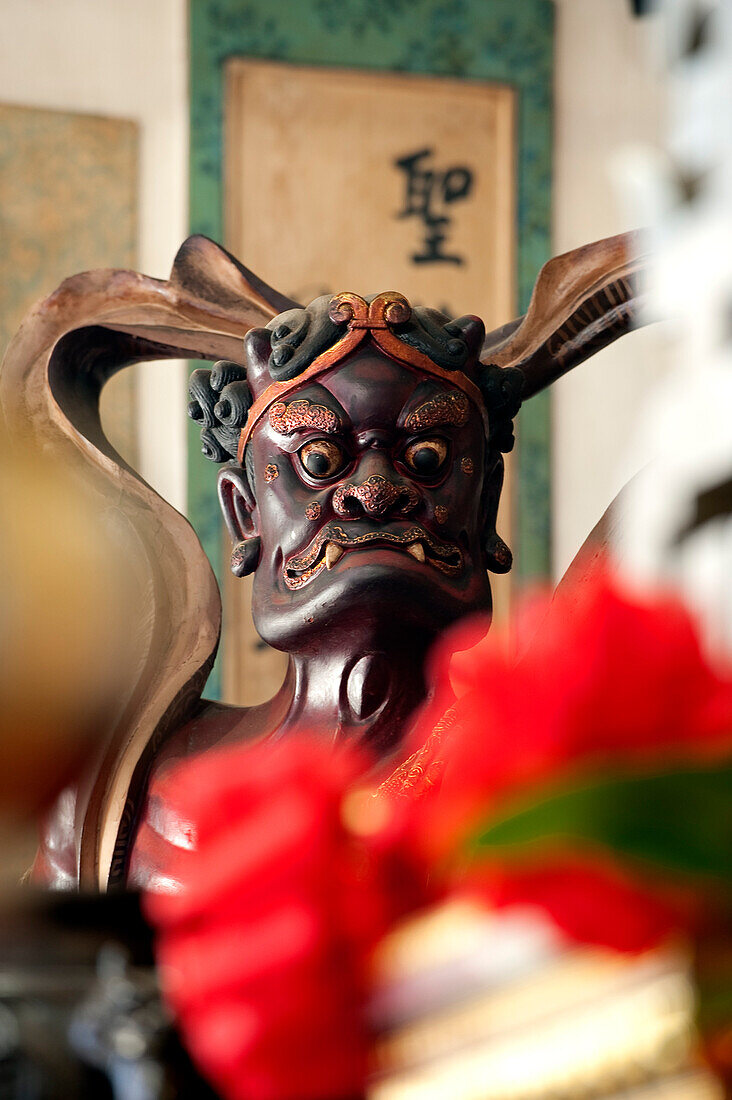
(366, 596)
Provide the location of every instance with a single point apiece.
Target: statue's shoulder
(162, 834)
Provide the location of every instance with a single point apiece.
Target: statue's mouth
(333, 541)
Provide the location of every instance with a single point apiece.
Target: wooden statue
(362, 445)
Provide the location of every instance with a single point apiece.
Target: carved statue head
(364, 444)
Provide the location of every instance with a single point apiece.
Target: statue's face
(368, 486)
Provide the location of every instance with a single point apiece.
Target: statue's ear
(237, 503)
(498, 556)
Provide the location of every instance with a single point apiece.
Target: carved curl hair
(220, 398)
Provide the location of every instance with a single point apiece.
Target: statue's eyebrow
(303, 415)
(442, 410)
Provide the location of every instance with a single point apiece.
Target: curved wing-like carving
(50, 382)
(582, 301)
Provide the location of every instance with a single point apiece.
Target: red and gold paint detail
(376, 495)
(313, 511)
(303, 568)
(364, 321)
(466, 465)
(421, 772)
(441, 513)
(271, 472)
(302, 415)
(444, 409)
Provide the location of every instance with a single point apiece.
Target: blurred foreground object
(476, 1005)
(80, 1012)
(604, 749)
(366, 539)
(676, 522)
(62, 669)
(264, 941)
(590, 781)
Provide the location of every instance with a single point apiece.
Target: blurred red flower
(588, 895)
(264, 952)
(592, 679)
(604, 684)
(294, 873)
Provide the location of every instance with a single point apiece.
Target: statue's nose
(375, 496)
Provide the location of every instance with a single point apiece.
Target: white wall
(607, 97)
(127, 59)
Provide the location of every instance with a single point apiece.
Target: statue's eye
(322, 458)
(426, 456)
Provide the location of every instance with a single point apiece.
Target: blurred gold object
(473, 1005)
(65, 603)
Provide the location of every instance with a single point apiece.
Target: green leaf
(678, 821)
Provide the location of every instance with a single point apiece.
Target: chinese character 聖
(428, 195)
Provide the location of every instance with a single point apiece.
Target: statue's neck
(364, 693)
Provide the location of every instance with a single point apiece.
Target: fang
(416, 550)
(332, 554)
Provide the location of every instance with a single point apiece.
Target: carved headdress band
(364, 320)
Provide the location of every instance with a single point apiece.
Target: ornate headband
(364, 319)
